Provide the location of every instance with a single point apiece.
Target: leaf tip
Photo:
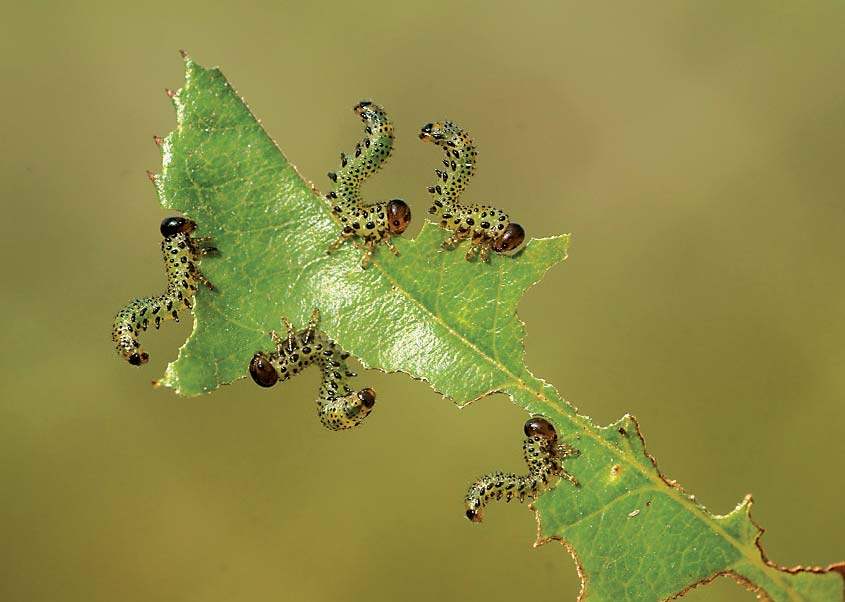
(186, 58)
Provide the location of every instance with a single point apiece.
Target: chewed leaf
(450, 322)
(272, 231)
(638, 536)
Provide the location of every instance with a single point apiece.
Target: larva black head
(398, 216)
(474, 510)
(262, 371)
(440, 132)
(362, 106)
(175, 225)
(367, 110)
(510, 239)
(367, 397)
(540, 427)
(137, 359)
(431, 132)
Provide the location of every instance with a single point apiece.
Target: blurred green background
(693, 149)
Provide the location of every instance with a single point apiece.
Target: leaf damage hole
(614, 471)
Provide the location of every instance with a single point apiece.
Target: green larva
(182, 254)
(485, 227)
(544, 457)
(338, 405)
(377, 222)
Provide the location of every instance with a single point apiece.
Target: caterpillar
(338, 405)
(486, 227)
(377, 222)
(182, 254)
(544, 457)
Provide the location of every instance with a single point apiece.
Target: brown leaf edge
(837, 567)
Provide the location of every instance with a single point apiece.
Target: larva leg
(344, 236)
(205, 251)
(450, 243)
(287, 344)
(312, 325)
(369, 246)
(473, 250)
(390, 246)
(455, 239)
(181, 254)
(291, 334)
(544, 457)
(204, 281)
(567, 451)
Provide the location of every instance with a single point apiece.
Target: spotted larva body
(377, 222)
(544, 456)
(486, 227)
(338, 406)
(182, 254)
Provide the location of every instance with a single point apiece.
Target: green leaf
(636, 535)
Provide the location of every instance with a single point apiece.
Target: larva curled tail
(182, 254)
(376, 222)
(486, 227)
(544, 456)
(338, 405)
